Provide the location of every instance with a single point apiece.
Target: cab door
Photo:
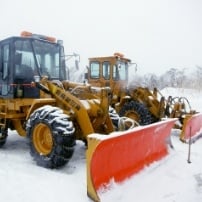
(5, 67)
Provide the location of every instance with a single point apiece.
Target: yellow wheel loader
(38, 101)
(138, 103)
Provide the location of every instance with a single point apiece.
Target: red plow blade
(122, 154)
(191, 127)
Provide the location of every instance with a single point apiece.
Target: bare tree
(151, 81)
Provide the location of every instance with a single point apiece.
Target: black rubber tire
(62, 132)
(3, 137)
(143, 113)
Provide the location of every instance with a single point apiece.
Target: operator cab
(22, 58)
(109, 71)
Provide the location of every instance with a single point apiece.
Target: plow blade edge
(121, 154)
(191, 127)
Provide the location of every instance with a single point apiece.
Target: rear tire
(137, 112)
(51, 137)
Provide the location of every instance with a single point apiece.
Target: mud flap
(122, 154)
(191, 127)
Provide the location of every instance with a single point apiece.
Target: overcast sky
(156, 34)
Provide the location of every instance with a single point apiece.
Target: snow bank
(171, 179)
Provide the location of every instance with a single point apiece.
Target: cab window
(120, 71)
(5, 62)
(106, 70)
(95, 70)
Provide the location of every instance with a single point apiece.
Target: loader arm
(91, 114)
(71, 102)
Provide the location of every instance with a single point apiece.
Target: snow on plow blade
(191, 127)
(121, 154)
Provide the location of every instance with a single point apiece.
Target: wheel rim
(133, 115)
(42, 139)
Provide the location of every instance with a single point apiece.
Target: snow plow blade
(191, 127)
(121, 154)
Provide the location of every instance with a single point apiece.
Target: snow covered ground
(170, 180)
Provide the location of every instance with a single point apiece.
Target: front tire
(51, 137)
(137, 112)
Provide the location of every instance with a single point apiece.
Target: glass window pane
(106, 70)
(94, 70)
(5, 60)
(120, 71)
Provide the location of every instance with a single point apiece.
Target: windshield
(41, 57)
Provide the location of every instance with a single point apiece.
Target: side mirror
(77, 64)
(86, 76)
